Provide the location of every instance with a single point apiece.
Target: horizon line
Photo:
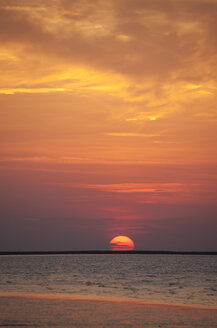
(108, 252)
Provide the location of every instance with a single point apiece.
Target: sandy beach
(67, 311)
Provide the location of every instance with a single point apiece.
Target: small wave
(89, 283)
(101, 285)
(173, 283)
(146, 280)
(14, 325)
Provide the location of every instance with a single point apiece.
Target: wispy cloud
(131, 134)
(138, 187)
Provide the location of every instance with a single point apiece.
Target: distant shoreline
(107, 252)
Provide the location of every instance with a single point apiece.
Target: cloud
(129, 134)
(144, 53)
(158, 193)
(157, 47)
(165, 44)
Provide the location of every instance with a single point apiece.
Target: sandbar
(36, 310)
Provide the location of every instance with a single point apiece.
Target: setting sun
(122, 243)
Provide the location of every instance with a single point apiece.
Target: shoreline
(38, 310)
(78, 297)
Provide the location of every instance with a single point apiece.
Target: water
(171, 279)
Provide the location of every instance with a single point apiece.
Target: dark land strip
(107, 252)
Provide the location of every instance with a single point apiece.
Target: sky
(108, 120)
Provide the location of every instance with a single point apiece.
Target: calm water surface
(176, 279)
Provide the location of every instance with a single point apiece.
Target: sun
(122, 243)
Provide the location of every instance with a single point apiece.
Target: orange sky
(108, 120)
